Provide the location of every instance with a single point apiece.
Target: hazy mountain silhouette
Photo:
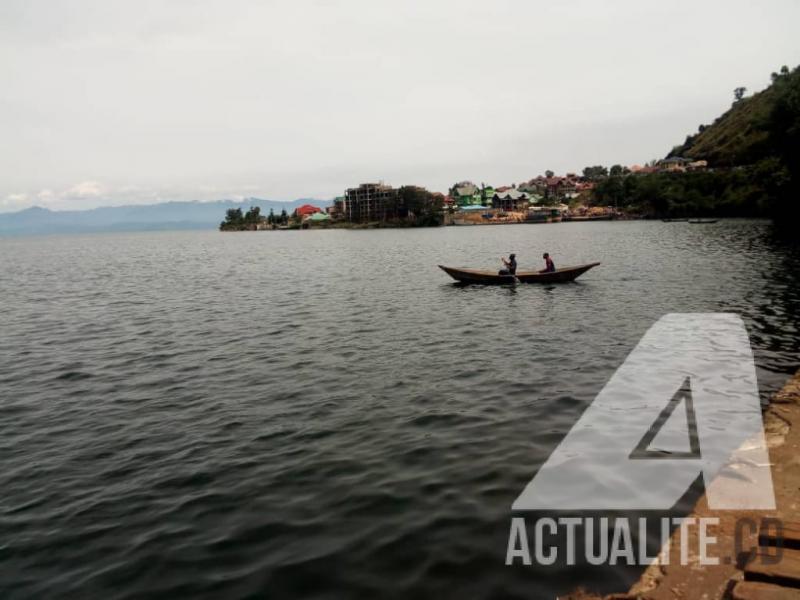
(145, 217)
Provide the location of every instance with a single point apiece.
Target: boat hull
(476, 276)
(584, 219)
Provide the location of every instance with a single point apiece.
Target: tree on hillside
(253, 215)
(739, 93)
(595, 173)
(616, 171)
(783, 73)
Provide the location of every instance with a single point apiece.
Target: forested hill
(753, 155)
(756, 127)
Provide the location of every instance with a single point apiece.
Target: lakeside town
(547, 198)
(743, 164)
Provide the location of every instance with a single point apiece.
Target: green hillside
(753, 154)
(753, 129)
(738, 137)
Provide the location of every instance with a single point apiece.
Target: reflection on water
(317, 414)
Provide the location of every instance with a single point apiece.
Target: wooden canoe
(491, 277)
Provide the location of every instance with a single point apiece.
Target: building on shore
(697, 165)
(553, 189)
(510, 200)
(487, 193)
(381, 203)
(318, 217)
(466, 193)
(307, 210)
(674, 163)
(370, 202)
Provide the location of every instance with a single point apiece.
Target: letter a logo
(684, 403)
(648, 447)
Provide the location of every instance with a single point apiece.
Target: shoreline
(446, 224)
(449, 223)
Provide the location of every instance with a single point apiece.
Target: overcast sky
(110, 102)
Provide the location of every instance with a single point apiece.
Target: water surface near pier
(322, 414)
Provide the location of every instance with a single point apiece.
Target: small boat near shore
(702, 221)
(583, 218)
(674, 220)
(484, 277)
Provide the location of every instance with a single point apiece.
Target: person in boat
(511, 265)
(549, 265)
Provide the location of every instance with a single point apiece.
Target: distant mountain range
(145, 217)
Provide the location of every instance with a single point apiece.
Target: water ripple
(321, 414)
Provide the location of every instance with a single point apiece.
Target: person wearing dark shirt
(511, 265)
(549, 266)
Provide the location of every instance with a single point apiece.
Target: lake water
(323, 414)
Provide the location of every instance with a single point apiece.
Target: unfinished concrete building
(371, 202)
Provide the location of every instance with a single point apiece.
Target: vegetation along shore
(744, 164)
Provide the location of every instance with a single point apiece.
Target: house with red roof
(307, 210)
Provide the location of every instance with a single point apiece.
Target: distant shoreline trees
(423, 207)
(235, 220)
